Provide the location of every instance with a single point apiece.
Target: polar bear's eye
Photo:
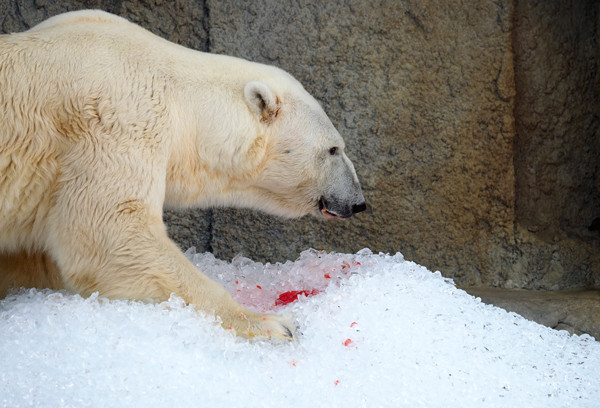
(333, 151)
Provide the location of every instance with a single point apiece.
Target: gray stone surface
(473, 126)
(190, 228)
(557, 145)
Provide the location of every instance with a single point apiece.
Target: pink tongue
(330, 216)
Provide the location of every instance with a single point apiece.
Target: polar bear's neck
(218, 144)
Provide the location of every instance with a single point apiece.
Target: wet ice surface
(379, 331)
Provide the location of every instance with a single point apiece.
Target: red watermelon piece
(292, 295)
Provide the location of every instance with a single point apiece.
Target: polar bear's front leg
(127, 254)
(206, 294)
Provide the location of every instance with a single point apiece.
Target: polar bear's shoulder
(81, 16)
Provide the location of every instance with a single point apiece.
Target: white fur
(103, 124)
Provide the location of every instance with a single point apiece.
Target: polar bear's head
(305, 170)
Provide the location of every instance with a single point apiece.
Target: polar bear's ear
(262, 100)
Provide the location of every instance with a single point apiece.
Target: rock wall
(557, 144)
(473, 126)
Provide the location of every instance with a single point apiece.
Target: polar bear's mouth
(328, 213)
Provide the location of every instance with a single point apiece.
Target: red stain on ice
(291, 296)
(347, 343)
(317, 277)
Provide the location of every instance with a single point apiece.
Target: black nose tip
(356, 208)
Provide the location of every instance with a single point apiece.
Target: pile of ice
(376, 330)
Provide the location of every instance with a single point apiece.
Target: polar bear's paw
(265, 326)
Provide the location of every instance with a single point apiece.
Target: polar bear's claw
(289, 334)
(268, 326)
(278, 327)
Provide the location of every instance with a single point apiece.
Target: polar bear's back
(82, 16)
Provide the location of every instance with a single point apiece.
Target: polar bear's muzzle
(332, 209)
(342, 196)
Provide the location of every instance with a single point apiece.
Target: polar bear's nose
(356, 208)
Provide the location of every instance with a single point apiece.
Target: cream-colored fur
(102, 124)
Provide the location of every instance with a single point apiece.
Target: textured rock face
(558, 149)
(473, 126)
(557, 145)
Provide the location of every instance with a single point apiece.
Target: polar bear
(103, 124)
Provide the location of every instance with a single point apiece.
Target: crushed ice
(376, 331)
